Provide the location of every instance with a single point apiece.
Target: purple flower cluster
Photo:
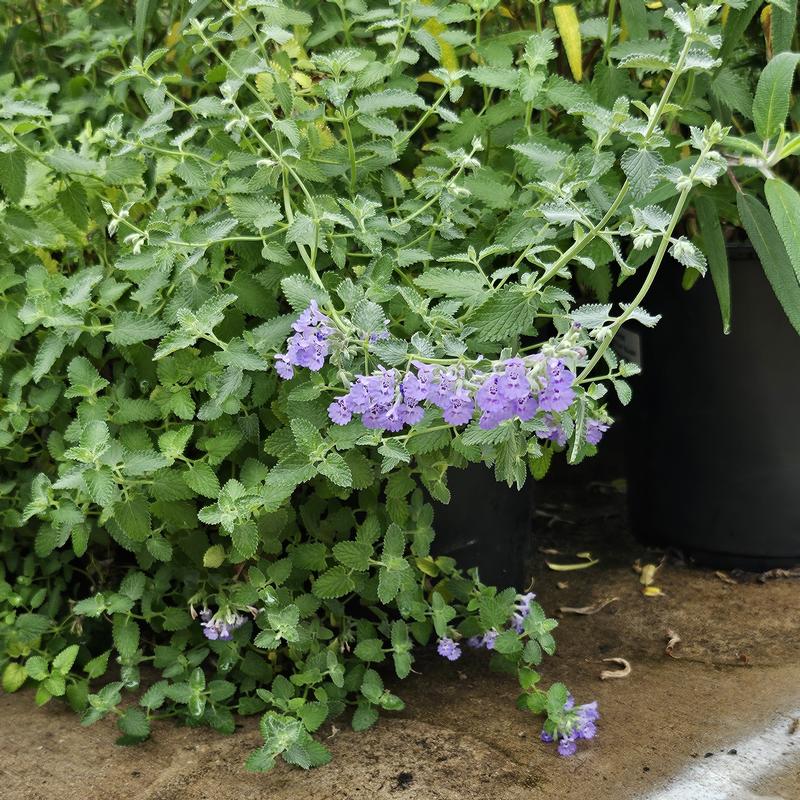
(449, 649)
(308, 345)
(390, 399)
(214, 628)
(594, 431)
(517, 387)
(521, 610)
(579, 723)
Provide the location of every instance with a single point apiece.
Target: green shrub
(178, 187)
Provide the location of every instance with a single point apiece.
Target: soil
(698, 711)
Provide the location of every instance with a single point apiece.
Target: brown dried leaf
(588, 610)
(673, 641)
(725, 578)
(607, 674)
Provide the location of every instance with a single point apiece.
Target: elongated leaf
(716, 255)
(569, 29)
(736, 25)
(783, 24)
(772, 254)
(143, 9)
(784, 204)
(634, 14)
(771, 104)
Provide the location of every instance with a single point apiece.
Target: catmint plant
(269, 270)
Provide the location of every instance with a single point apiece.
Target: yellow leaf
(302, 79)
(724, 16)
(569, 567)
(648, 574)
(503, 11)
(766, 26)
(569, 29)
(447, 53)
(50, 264)
(652, 591)
(428, 566)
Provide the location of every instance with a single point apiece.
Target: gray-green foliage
(175, 191)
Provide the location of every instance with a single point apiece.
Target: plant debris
(673, 642)
(588, 610)
(772, 574)
(725, 578)
(607, 674)
(794, 726)
(562, 585)
(589, 562)
(647, 574)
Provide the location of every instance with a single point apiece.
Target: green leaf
(245, 539)
(771, 252)
(335, 468)
(132, 327)
(771, 103)
(783, 25)
(254, 212)
(202, 479)
(365, 716)
(634, 13)
(784, 204)
(133, 516)
(505, 314)
(134, 723)
(335, 582)
(14, 675)
(714, 248)
(214, 556)
(125, 632)
(370, 650)
(377, 102)
(13, 174)
(355, 555)
(642, 169)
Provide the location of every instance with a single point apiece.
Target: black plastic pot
(486, 525)
(714, 429)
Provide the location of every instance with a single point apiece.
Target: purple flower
(449, 649)
(514, 382)
(567, 746)
(459, 407)
(594, 431)
(558, 394)
(577, 723)
(308, 345)
(283, 367)
(221, 628)
(554, 433)
(339, 412)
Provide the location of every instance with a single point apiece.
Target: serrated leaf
(335, 582)
(643, 169)
(505, 314)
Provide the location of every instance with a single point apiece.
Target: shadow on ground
(688, 724)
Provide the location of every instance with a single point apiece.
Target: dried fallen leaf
(606, 674)
(651, 591)
(562, 585)
(588, 610)
(794, 727)
(568, 567)
(550, 551)
(648, 574)
(725, 578)
(673, 640)
(779, 573)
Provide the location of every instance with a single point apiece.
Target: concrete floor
(714, 721)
